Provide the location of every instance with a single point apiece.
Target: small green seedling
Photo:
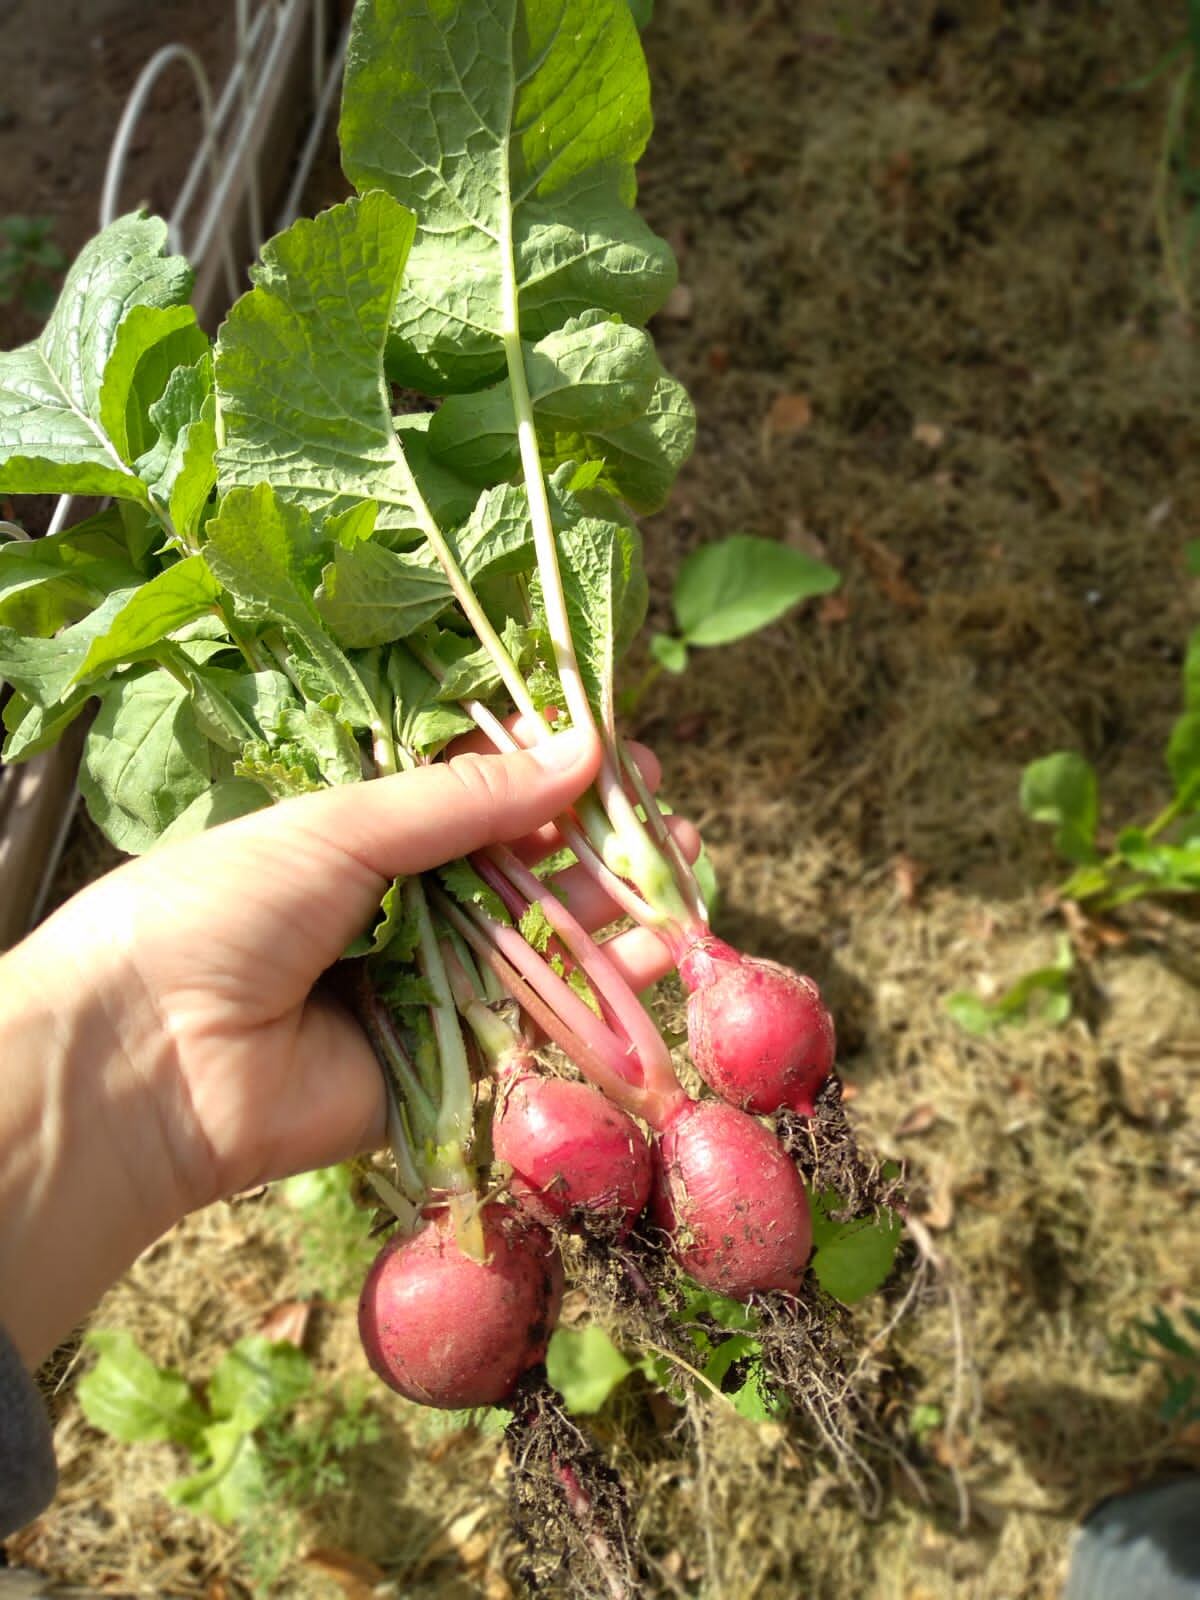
(30, 263)
(1174, 1348)
(1043, 995)
(257, 1465)
(727, 590)
(1177, 173)
(329, 1231)
(851, 1261)
(126, 1396)
(1159, 858)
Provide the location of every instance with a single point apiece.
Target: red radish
(570, 1150)
(758, 1033)
(732, 1201)
(448, 1331)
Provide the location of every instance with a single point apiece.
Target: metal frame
(220, 197)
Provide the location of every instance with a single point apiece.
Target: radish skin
(759, 1034)
(447, 1331)
(732, 1202)
(570, 1150)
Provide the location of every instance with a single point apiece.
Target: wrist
(88, 1179)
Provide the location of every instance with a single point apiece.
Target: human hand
(161, 1040)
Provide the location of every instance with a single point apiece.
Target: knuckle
(485, 784)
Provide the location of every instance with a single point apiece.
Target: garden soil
(925, 318)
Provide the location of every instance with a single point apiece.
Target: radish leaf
(299, 366)
(151, 342)
(224, 802)
(511, 131)
(423, 726)
(258, 547)
(463, 883)
(178, 595)
(642, 457)
(669, 652)
(145, 759)
(50, 582)
(370, 595)
(497, 539)
(55, 414)
(179, 468)
(44, 670)
(590, 374)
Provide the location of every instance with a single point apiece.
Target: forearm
(85, 1172)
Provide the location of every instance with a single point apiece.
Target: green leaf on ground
(585, 1366)
(1043, 995)
(1191, 673)
(851, 1260)
(232, 1482)
(256, 1379)
(1061, 791)
(1183, 757)
(1174, 868)
(727, 590)
(669, 652)
(126, 1396)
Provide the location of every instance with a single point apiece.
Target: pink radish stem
(655, 1059)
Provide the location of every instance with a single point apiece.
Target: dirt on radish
(923, 319)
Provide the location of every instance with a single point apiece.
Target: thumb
(321, 862)
(417, 820)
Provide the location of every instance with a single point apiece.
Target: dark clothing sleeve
(28, 1475)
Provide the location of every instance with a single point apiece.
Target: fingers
(640, 956)
(307, 875)
(547, 840)
(418, 820)
(525, 730)
(586, 899)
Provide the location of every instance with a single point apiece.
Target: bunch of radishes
(462, 1301)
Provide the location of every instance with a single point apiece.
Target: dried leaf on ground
(919, 1120)
(354, 1575)
(287, 1322)
(789, 416)
(886, 569)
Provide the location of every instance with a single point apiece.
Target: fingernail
(561, 750)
